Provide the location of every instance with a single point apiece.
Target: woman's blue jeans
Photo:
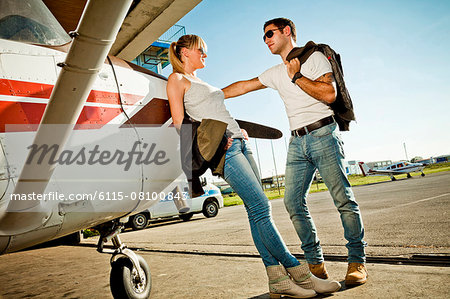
(321, 149)
(242, 175)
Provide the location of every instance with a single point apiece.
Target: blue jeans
(321, 149)
(242, 175)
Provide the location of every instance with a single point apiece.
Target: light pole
(275, 164)
(259, 163)
(406, 154)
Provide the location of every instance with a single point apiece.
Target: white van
(208, 204)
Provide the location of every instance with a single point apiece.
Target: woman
(202, 100)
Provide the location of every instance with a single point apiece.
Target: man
(307, 91)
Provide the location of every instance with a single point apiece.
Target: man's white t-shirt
(301, 108)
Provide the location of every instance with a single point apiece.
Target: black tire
(186, 217)
(72, 239)
(422, 174)
(123, 279)
(393, 179)
(139, 221)
(210, 209)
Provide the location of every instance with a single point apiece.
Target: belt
(314, 126)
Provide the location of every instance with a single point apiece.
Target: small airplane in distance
(393, 169)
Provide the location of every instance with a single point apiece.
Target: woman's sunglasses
(269, 33)
(202, 51)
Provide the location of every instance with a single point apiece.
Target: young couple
(307, 90)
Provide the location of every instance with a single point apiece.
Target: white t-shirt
(301, 108)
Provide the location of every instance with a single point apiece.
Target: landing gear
(393, 178)
(422, 174)
(125, 280)
(130, 274)
(408, 176)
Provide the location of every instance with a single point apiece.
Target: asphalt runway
(216, 258)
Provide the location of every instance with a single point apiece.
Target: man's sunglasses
(269, 33)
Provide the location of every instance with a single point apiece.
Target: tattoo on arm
(326, 78)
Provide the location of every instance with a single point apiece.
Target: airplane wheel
(393, 179)
(124, 279)
(423, 174)
(408, 175)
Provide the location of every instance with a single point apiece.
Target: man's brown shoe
(356, 274)
(319, 270)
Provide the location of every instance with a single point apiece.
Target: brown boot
(319, 270)
(356, 274)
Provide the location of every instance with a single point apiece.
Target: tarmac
(407, 229)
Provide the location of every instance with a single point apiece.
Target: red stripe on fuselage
(43, 91)
(21, 113)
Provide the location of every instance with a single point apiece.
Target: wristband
(297, 76)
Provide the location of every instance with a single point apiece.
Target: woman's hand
(244, 132)
(230, 141)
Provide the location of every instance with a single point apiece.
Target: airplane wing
(259, 131)
(413, 168)
(385, 172)
(146, 20)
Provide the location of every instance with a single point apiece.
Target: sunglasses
(202, 51)
(269, 33)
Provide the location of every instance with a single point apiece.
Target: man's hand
(293, 67)
(245, 134)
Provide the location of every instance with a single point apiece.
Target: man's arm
(321, 89)
(242, 87)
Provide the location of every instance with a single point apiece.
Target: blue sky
(394, 55)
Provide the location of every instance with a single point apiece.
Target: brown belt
(314, 126)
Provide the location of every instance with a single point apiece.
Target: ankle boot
(319, 270)
(303, 278)
(281, 285)
(356, 274)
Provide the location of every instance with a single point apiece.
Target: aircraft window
(30, 21)
(394, 166)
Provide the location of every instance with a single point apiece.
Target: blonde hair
(189, 41)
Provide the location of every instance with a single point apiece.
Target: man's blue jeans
(321, 149)
(241, 173)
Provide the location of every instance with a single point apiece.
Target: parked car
(208, 204)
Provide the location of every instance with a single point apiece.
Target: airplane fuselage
(127, 107)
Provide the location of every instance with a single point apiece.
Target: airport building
(271, 182)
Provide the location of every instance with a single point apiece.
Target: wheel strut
(112, 234)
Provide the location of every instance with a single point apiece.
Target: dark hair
(280, 23)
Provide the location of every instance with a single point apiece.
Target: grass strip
(355, 180)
